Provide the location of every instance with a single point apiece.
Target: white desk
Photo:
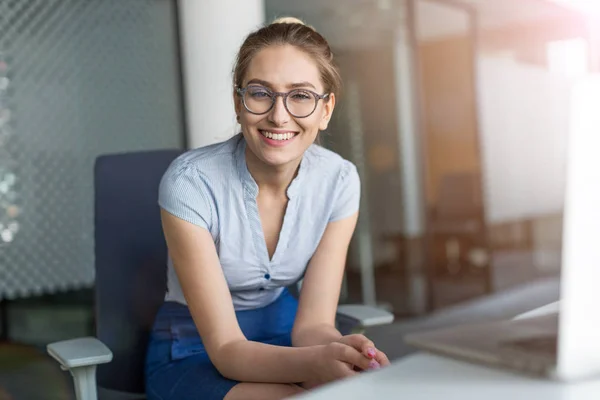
(547, 309)
(429, 377)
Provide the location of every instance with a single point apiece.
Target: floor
(36, 322)
(26, 373)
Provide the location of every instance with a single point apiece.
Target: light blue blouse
(211, 187)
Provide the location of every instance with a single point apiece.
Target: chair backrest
(131, 258)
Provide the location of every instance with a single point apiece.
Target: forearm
(248, 361)
(316, 335)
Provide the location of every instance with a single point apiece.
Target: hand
(362, 344)
(336, 361)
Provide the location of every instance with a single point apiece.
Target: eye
(301, 95)
(258, 92)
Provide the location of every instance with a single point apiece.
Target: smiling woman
(276, 104)
(248, 217)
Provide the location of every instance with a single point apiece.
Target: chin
(277, 160)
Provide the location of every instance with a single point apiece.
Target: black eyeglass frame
(242, 93)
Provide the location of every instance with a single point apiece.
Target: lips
(278, 135)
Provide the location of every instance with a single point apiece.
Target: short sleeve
(347, 194)
(183, 192)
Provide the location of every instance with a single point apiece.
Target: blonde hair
(291, 31)
(290, 20)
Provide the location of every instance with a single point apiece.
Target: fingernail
(371, 352)
(374, 365)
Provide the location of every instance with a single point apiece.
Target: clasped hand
(346, 357)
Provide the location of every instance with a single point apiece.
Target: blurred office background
(456, 113)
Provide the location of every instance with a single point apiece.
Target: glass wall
(456, 117)
(83, 79)
(525, 77)
(77, 79)
(365, 38)
(393, 121)
(456, 250)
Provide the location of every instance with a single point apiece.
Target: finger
(361, 343)
(378, 358)
(350, 355)
(348, 373)
(373, 364)
(347, 370)
(382, 359)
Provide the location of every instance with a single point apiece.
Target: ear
(328, 107)
(237, 104)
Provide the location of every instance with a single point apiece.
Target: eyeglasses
(300, 103)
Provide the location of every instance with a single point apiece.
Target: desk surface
(429, 377)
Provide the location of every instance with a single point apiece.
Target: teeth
(277, 136)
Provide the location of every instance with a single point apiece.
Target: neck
(268, 178)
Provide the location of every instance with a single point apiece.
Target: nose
(278, 115)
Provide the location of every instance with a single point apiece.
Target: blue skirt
(177, 365)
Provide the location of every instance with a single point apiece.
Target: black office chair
(130, 266)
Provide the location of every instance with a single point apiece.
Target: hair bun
(290, 20)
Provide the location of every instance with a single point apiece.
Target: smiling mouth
(278, 136)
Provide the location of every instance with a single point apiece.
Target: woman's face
(282, 69)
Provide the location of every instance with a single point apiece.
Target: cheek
(247, 119)
(310, 125)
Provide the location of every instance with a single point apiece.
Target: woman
(248, 217)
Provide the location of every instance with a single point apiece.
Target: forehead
(282, 66)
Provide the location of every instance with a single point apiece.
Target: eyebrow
(292, 85)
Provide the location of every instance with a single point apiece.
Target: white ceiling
(354, 23)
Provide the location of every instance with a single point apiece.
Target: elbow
(227, 372)
(226, 361)
(222, 363)
(226, 369)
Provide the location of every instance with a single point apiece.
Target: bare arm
(197, 265)
(315, 319)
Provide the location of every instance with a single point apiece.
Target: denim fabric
(177, 365)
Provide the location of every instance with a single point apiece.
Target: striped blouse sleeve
(348, 193)
(183, 192)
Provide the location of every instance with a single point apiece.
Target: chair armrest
(80, 357)
(363, 316)
(80, 352)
